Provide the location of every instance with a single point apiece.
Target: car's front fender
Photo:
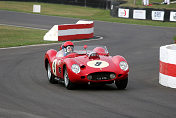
(116, 60)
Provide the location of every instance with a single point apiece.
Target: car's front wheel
(51, 77)
(68, 84)
(121, 84)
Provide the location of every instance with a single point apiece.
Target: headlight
(123, 65)
(89, 77)
(112, 75)
(75, 68)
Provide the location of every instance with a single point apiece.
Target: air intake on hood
(82, 66)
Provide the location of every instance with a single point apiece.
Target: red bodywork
(58, 64)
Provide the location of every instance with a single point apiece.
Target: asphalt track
(26, 93)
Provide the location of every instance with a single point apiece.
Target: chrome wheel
(51, 77)
(68, 84)
(66, 79)
(49, 72)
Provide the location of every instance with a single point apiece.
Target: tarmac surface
(26, 93)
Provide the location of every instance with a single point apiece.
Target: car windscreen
(81, 50)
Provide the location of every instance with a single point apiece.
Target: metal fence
(105, 4)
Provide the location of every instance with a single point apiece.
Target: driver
(68, 47)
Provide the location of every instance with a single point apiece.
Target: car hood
(102, 64)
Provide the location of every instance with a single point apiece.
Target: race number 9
(98, 64)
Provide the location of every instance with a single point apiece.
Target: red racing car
(85, 65)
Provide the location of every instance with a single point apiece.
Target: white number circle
(54, 67)
(98, 64)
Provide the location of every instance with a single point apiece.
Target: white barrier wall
(139, 14)
(172, 16)
(167, 75)
(158, 15)
(144, 13)
(123, 13)
(80, 30)
(36, 8)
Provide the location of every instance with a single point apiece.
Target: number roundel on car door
(98, 64)
(54, 67)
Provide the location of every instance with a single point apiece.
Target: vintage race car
(86, 65)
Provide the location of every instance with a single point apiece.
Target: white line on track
(93, 39)
(38, 45)
(24, 27)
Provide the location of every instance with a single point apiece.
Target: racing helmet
(68, 47)
(68, 43)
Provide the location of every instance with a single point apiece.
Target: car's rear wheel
(68, 84)
(121, 84)
(51, 77)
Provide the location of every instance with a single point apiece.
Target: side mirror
(85, 47)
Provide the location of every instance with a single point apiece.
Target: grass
(50, 9)
(11, 36)
(174, 38)
(14, 36)
(156, 6)
(77, 12)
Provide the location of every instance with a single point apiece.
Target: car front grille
(99, 76)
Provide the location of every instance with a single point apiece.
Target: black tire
(51, 77)
(121, 84)
(68, 84)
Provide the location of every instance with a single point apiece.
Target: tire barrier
(143, 13)
(167, 71)
(80, 30)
